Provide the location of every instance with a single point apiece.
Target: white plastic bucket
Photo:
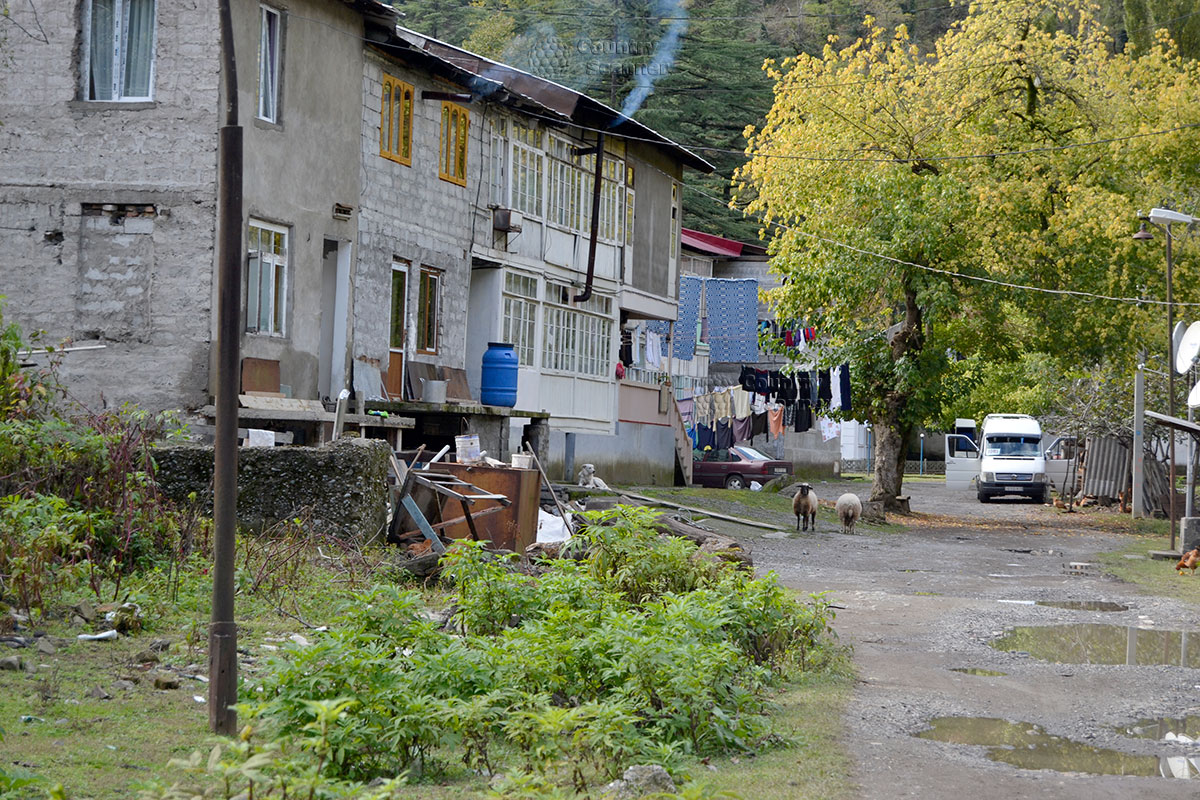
(522, 461)
(467, 448)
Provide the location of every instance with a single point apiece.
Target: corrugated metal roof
(718, 245)
(566, 103)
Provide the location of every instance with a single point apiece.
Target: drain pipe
(598, 177)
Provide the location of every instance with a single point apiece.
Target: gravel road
(925, 601)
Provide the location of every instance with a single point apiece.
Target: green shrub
(643, 652)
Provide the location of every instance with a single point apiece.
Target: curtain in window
(268, 59)
(100, 51)
(138, 47)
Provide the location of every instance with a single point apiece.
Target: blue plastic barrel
(498, 384)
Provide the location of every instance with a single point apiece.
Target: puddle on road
(1084, 605)
(1095, 643)
(985, 673)
(1163, 727)
(1029, 747)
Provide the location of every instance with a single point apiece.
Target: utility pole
(222, 632)
(1139, 437)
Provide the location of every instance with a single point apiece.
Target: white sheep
(849, 509)
(804, 506)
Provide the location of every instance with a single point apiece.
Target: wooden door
(398, 332)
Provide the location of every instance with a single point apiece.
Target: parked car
(736, 467)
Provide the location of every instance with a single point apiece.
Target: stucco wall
(297, 168)
(638, 454)
(140, 285)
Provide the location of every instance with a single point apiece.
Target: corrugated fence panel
(1107, 468)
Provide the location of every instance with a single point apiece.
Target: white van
(1011, 458)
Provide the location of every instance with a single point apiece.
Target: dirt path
(922, 602)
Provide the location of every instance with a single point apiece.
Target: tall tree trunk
(891, 428)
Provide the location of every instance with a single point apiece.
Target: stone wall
(341, 487)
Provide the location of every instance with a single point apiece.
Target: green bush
(643, 652)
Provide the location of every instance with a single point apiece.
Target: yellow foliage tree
(903, 189)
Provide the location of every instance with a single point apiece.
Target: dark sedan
(736, 467)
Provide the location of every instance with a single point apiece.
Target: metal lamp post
(1164, 218)
(922, 452)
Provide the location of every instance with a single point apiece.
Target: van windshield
(1026, 446)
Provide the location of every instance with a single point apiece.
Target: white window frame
(275, 267)
(519, 313)
(527, 170)
(268, 70)
(577, 337)
(436, 276)
(499, 152)
(120, 48)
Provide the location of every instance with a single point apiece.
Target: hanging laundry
(702, 408)
(788, 339)
(804, 387)
(824, 393)
(732, 319)
(635, 339)
(835, 388)
(758, 424)
(694, 434)
(724, 435)
(663, 328)
(653, 350)
(746, 379)
(722, 404)
(684, 347)
(741, 429)
(844, 383)
(741, 402)
(829, 429)
(762, 383)
(686, 408)
(804, 417)
(775, 421)
(705, 438)
(789, 415)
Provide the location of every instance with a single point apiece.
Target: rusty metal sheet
(515, 527)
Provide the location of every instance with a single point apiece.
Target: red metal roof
(717, 245)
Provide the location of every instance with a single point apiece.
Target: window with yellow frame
(395, 121)
(452, 165)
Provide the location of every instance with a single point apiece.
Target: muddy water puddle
(1096, 643)
(984, 673)
(1028, 746)
(1164, 729)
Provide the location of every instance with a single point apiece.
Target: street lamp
(1164, 218)
(922, 452)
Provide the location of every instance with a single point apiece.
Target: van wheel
(735, 482)
(984, 497)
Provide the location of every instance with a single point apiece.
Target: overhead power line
(946, 272)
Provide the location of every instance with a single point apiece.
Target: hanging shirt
(824, 393)
(829, 429)
(705, 438)
(775, 421)
(724, 435)
(686, 408)
(758, 424)
(803, 416)
(835, 387)
(741, 429)
(653, 350)
(741, 402)
(722, 405)
(844, 384)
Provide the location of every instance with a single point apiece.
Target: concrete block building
(405, 203)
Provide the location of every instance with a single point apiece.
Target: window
(520, 313)
(528, 170)
(577, 338)
(629, 205)
(453, 162)
(119, 51)
(399, 315)
(268, 64)
(570, 205)
(427, 310)
(499, 152)
(396, 121)
(266, 289)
